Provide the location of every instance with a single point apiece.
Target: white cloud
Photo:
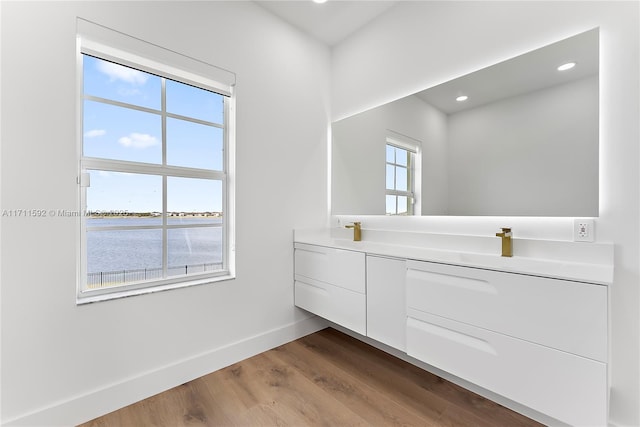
(128, 92)
(119, 72)
(94, 133)
(138, 140)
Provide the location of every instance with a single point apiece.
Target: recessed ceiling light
(462, 98)
(567, 66)
(319, 1)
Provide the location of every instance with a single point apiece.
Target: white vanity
(531, 329)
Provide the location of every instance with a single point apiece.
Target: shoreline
(137, 216)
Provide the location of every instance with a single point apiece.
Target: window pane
(194, 145)
(401, 179)
(119, 133)
(116, 192)
(391, 158)
(194, 102)
(116, 257)
(402, 205)
(192, 200)
(391, 205)
(401, 157)
(150, 223)
(194, 250)
(117, 82)
(391, 177)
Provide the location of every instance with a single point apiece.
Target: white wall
(62, 363)
(534, 154)
(420, 44)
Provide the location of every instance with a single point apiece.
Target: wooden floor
(324, 379)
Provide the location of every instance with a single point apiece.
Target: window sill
(89, 296)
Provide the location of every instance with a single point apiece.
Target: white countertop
(584, 262)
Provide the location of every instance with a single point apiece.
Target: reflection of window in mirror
(400, 176)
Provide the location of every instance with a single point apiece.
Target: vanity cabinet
(537, 341)
(330, 282)
(386, 301)
(541, 342)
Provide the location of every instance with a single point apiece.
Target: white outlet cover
(583, 230)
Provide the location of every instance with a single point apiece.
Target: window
(400, 177)
(154, 176)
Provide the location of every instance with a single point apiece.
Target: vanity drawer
(564, 386)
(569, 316)
(337, 267)
(338, 305)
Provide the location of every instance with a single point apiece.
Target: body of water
(141, 249)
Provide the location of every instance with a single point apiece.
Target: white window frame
(110, 45)
(414, 148)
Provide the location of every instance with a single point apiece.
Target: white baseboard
(111, 397)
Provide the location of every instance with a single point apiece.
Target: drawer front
(569, 388)
(568, 316)
(386, 303)
(337, 267)
(338, 305)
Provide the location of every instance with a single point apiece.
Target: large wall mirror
(524, 142)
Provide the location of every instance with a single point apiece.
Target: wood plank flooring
(324, 379)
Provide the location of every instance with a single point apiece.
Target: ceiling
(330, 22)
(334, 21)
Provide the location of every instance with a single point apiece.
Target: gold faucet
(357, 231)
(507, 248)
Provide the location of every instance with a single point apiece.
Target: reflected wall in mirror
(524, 143)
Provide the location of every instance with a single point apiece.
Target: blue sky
(114, 132)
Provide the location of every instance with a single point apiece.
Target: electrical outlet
(583, 230)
